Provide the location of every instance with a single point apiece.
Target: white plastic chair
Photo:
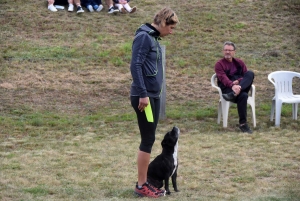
(224, 105)
(282, 81)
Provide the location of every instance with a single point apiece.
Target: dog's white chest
(175, 157)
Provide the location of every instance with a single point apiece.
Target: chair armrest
(213, 84)
(252, 91)
(270, 79)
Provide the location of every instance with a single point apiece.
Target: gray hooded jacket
(146, 64)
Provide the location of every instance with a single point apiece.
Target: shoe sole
(246, 132)
(81, 11)
(138, 194)
(114, 11)
(141, 195)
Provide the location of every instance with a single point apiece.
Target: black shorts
(147, 129)
(61, 2)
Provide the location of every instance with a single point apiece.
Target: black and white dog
(165, 165)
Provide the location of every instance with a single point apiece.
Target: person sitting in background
(111, 7)
(71, 3)
(92, 5)
(235, 81)
(124, 6)
(96, 5)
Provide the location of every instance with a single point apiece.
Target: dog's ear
(164, 142)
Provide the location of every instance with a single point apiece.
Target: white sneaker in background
(59, 7)
(99, 8)
(52, 8)
(90, 8)
(71, 8)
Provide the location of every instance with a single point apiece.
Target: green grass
(67, 129)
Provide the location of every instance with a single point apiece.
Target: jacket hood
(148, 28)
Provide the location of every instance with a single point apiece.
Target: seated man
(235, 82)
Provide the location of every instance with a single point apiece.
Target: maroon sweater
(227, 72)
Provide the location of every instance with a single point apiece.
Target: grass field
(68, 132)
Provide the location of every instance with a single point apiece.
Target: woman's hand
(143, 103)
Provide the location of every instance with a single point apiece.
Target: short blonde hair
(165, 16)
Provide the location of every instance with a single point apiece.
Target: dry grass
(212, 166)
(68, 131)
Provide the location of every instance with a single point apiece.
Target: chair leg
(253, 115)
(219, 112)
(225, 110)
(272, 110)
(295, 110)
(278, 113)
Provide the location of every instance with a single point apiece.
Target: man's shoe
(79, 9)
(245, 128)
(229, 97)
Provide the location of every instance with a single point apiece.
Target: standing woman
(147, 73)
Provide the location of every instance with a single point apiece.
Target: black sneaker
(245, 129)
(79, 9)
(229, 97)
(113, 10)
